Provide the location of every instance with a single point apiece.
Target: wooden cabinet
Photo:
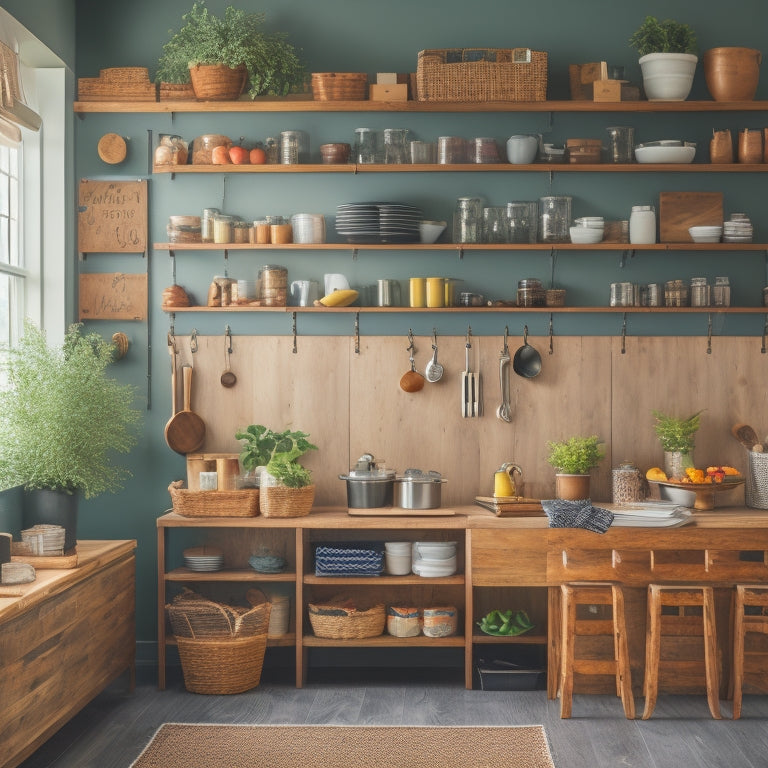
(63, 640)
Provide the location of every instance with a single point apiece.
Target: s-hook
(193, 341)
(624, 335)
(709, 333)
(293, 331)
(551, 336)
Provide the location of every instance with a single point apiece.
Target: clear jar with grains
(273, 285)
(224, 284)
(676, 294)
(206, 224)
(223, 228)
(700, 291)
(531, 293)
(241, 231)
(721, 292)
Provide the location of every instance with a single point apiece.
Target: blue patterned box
(349, 558)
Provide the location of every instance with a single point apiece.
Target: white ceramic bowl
(586, 235)
(429, 231)
(705, 234)
(522, 150)
(665, 154)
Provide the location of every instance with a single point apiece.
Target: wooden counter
(63, 640)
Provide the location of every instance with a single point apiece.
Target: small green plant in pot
(238, 50)
(677, 437)
(286, 488)
(667, 51)
(573, 459)
(62, 420)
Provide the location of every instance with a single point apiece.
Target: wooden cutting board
(680, 210)
(510, 506)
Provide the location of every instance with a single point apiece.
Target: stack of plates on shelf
(738, 229)
(44, 540)
(204, 558)
(308, 227)
(434, 558)
(378, 222)
(649, 514)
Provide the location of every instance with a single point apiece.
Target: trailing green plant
(676, 434)
(575, 456)
(236, 38)
(62, 418)
(668, 36)
(277, 452)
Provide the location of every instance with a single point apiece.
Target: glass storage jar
(206, 224)
(554, 219)
(273, 285)
(395, 146)
(699, 292)
(721, 292)
(468, 220)
(642, 225)
(223, 228)
(676, 293)
(531, 293)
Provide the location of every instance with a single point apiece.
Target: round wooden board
(112, 148)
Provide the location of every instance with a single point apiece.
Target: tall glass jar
(721, 292)
(366, 146)
(206, 224)
(468, 220)
(395, 146)
(554, 219)
(273, 285)
(642, 225)
(699, 292)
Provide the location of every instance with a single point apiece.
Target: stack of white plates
(432, 559)
(204, 558)
(738, 229)
(706, 234)
(308, 227)
(44, 540)
(378, 222)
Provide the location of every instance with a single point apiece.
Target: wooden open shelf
(385, 641)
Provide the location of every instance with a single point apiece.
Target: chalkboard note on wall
(112, 216)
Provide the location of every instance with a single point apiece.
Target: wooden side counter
(62, 641)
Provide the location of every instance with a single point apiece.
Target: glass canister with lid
(628, 485)
(554, 218)
(642, 225)
(531, 293)
(273, 286)
(468, 220)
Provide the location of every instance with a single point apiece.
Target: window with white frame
(12, 269)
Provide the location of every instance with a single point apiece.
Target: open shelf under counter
(286, 640)
(307, 104)
(524, 639)
(385, 641)
(228, 575)
(386, 581)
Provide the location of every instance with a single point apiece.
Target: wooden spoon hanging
(185, 432)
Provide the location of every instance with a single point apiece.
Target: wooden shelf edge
(517, 640)
(385, 641)
(236, 574)
(412, 581)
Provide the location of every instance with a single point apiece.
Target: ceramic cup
(333, 281)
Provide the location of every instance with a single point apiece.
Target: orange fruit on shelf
(258, 156)
(656, 473)
(220, 156)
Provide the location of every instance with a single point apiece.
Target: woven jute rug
(177, 745)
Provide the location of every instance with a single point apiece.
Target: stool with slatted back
(583, 624)
(679, 623)
(750, 615)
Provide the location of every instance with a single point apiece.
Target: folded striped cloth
(577, 514)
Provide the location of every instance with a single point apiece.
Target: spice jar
(675, 293)
(699, 292)
(272, 150)
(223, 228)
(721, 292)
(273, 286)
(240, 230)
(531, 293)
(627, 484)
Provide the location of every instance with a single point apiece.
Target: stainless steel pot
(369, 486)
(418, 490)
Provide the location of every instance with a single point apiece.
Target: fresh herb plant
(62, 418)
(278, 452)
(237, 38)
(676, 434)
(668, 36)
(575, 456)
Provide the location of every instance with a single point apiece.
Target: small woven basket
(215, 82)
(279, 501)
(339, 620)
(240, 503)
(176, 92)
(340, 86)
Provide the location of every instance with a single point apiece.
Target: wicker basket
(221, 647)
(215, 82)
(339, 619)
(240, 503)
(340, 86)
(176, 92)
(279, 501)
(481, 74)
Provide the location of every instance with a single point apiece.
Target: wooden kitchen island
(504, 562)
(63, 639)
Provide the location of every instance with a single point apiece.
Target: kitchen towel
(577, 514)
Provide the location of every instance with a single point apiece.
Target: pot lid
(418, 476)
(367, 469)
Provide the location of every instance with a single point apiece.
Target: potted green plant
(286, 488)
(573, 459)
(221, 54)
(667, 51)
(677, 437)
(62, 420)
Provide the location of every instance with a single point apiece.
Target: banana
(339, 298)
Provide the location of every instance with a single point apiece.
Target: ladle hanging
(433, 371)
(504, 411)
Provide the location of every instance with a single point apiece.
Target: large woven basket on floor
(240, 503)
(221, 646)
(339, 619)
(279, 501)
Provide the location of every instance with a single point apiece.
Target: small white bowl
(705, 234)
(430, 231)
(586, 235)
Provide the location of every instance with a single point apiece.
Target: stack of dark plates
(378, 222)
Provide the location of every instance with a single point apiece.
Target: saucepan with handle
(527, 360)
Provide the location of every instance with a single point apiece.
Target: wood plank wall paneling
(351, 403)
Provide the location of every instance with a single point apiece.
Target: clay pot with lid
(732, 74)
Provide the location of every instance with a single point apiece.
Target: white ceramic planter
(668, 76)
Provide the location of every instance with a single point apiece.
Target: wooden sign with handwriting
(112, 216)
(113, 296)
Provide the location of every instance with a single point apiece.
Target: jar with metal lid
(642, 225)
(622, 295)
(451, 150)
(224, 284)
(395, 147)
(721, 292)
(628, 486)
(183, 229)
(241, 230)
(273, 285)
(699, 292)
(554, 219)
(655, 294)
(468, 220)
(272, 150)
(676, 293)
(206, 224)
(294, 147)
(531, 293)
(223, 228)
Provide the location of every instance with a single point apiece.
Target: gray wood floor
(115, 727)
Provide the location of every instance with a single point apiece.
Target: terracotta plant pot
(215, 82)
(572, 487)
(731, 74)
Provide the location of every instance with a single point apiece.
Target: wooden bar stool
(574, 626)
(680, 624)
(747, 596)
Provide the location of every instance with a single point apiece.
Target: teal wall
(51, 21)
(373, 36)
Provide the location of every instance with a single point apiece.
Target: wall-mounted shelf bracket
(765, 334)
(357, 333)
(461, 253)
(629, 253)
(354, 254)
(551, 336)
(624, 335)
(293, 331)
(709, 333)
